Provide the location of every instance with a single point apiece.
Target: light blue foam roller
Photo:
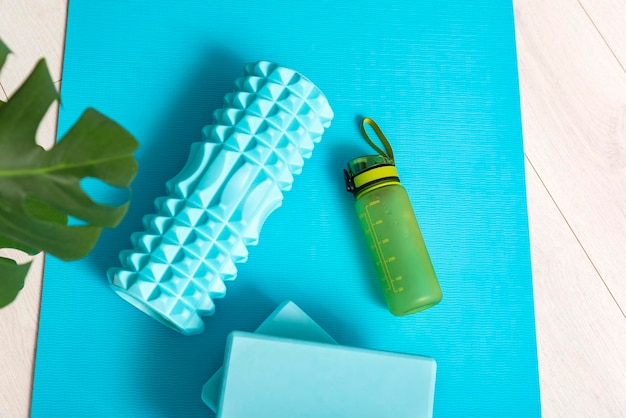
(218, 203)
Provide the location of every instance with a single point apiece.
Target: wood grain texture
(18, 337)
(32, 29)
(574, 114)
(609, 18)
(580, 329)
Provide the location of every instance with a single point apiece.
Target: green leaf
(40, 189)
(9, 243)
(4, 52)
(11, 279)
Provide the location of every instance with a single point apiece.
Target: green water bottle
(392, 234)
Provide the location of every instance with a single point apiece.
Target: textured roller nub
(218, 203)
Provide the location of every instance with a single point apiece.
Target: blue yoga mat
(439, 77)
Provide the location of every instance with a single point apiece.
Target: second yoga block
(218, 203)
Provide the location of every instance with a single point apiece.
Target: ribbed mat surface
(440, 78)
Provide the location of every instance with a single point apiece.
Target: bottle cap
(371, 170)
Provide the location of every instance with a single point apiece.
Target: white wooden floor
(572, 60)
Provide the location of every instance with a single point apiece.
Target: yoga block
(271, 377)
(287, 320)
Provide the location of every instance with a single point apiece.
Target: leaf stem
(58, 167)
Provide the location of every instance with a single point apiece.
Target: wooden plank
(609, 17)
(20, 320)
(18, 336)
(32, 29)
(574, 114)
(580, 330)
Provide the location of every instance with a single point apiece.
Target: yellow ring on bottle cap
(374, 174)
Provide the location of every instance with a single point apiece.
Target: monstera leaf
(40, 189)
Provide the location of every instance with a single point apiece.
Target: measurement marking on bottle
(382, 261)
